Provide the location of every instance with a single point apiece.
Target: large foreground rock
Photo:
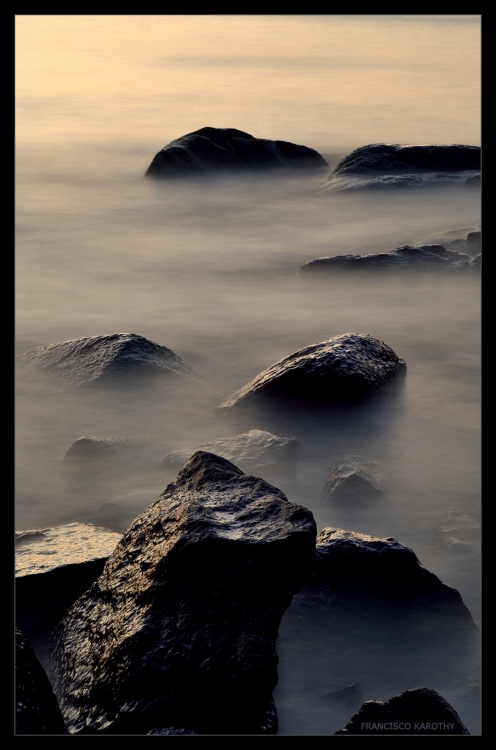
(250, 450)
(361, 573)
(37, 711)
(221, 149)
(418, 711)
(95, 359)
(180, 628)
(405, 258)
(344, 368)
(392, 158)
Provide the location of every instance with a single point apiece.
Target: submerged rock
(407, 257)
(221, 149)
(352, 478)
(476, 263)
(393, 158)
(180, 628)
(253, 449)
(357, 572)
(95, 359)
(343, 368)
(37, 711)
(86, 450)
(460, 533)
(418, 711)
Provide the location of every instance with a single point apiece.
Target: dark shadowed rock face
(221, 149)
(344, 368)
(180, 628)
(396, 159)
(407, 257)
(418, 711)
(362, 572)
(37, 711)
(95, 359)
(253, 449)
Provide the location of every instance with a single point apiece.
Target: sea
(210, 269)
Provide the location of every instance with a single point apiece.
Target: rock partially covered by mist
(222, 149)
(86, 450)
(98, 359)
(353, 478)
(407, 257)
(391, 166)
(392, 158)
(344, 368)
(474, 181)
(460, 533)
(476, 263)
(37, 710)
(53, 568)
(180, 628)
(418, 711)
(361, 573)
(254, 449)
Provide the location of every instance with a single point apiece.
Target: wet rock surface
(211, 150)
(180, 628)
(37, 711)
(418, 711)
(250, 450)
(396, 159)
(344, 368)
(353, 478)
(97, 359)
(407, 257)
(53, 568)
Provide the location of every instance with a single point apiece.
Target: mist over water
(209, 269)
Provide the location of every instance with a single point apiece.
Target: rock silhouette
(211, 150)
(180, 628)
(418, 711)
(407, 257)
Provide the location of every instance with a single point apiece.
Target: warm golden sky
(323, 80)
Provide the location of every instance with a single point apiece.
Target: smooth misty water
(210, 270)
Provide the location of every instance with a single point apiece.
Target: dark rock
(352, 478)
(95, 359)
(343, 368)
(253, 449)
(474, 238)
(219, 149)
(53, 568)
(358, 572)
(180, 628)
(418, 711)
(396, 159)
(407, 257)
(37, 711)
